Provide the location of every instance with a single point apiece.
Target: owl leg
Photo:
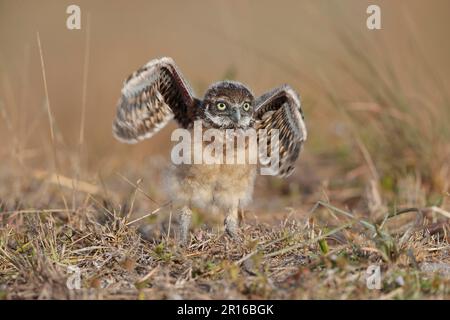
(185, 215)
(232, 222)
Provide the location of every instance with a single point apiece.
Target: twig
(37, 211)
(439, 210)
(89, 249)
(347, 214)
(50, 118)
(300, 245)
(148, 214)
(148, 275)
(98, 203)
(132, 201)
(83, 106)
(66, 182)
(85, 79)
(137, 188)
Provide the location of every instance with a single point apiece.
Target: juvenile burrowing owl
(158, 92)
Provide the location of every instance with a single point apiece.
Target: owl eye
(246, 106)
(221, 106)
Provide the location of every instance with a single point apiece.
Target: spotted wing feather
(151, 97)
(281, 109)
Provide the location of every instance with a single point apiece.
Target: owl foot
(231, 227)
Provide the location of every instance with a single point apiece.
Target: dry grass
(372, 187)
(320, 253)
(401, 117)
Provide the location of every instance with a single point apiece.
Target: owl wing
(281, 109)
(151, 97)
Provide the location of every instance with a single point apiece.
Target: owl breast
(211, 186)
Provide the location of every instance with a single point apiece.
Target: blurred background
(375, 101)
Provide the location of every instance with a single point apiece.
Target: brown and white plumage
(281, 109)
(151, 97)
(158, 92)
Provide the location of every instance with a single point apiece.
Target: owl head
(228, 105)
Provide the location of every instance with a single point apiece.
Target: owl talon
(231, 227)
(232, 232)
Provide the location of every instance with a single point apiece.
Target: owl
(158, 92)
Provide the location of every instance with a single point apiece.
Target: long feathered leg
(232, 222)
(184, 216)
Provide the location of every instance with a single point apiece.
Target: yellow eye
(246, 106)
(221, 106)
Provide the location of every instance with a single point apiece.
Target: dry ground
(371, 187)
(121, 248)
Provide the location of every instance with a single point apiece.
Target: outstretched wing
(280, 109)
(151, 97)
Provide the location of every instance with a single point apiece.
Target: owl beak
(236, 115)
